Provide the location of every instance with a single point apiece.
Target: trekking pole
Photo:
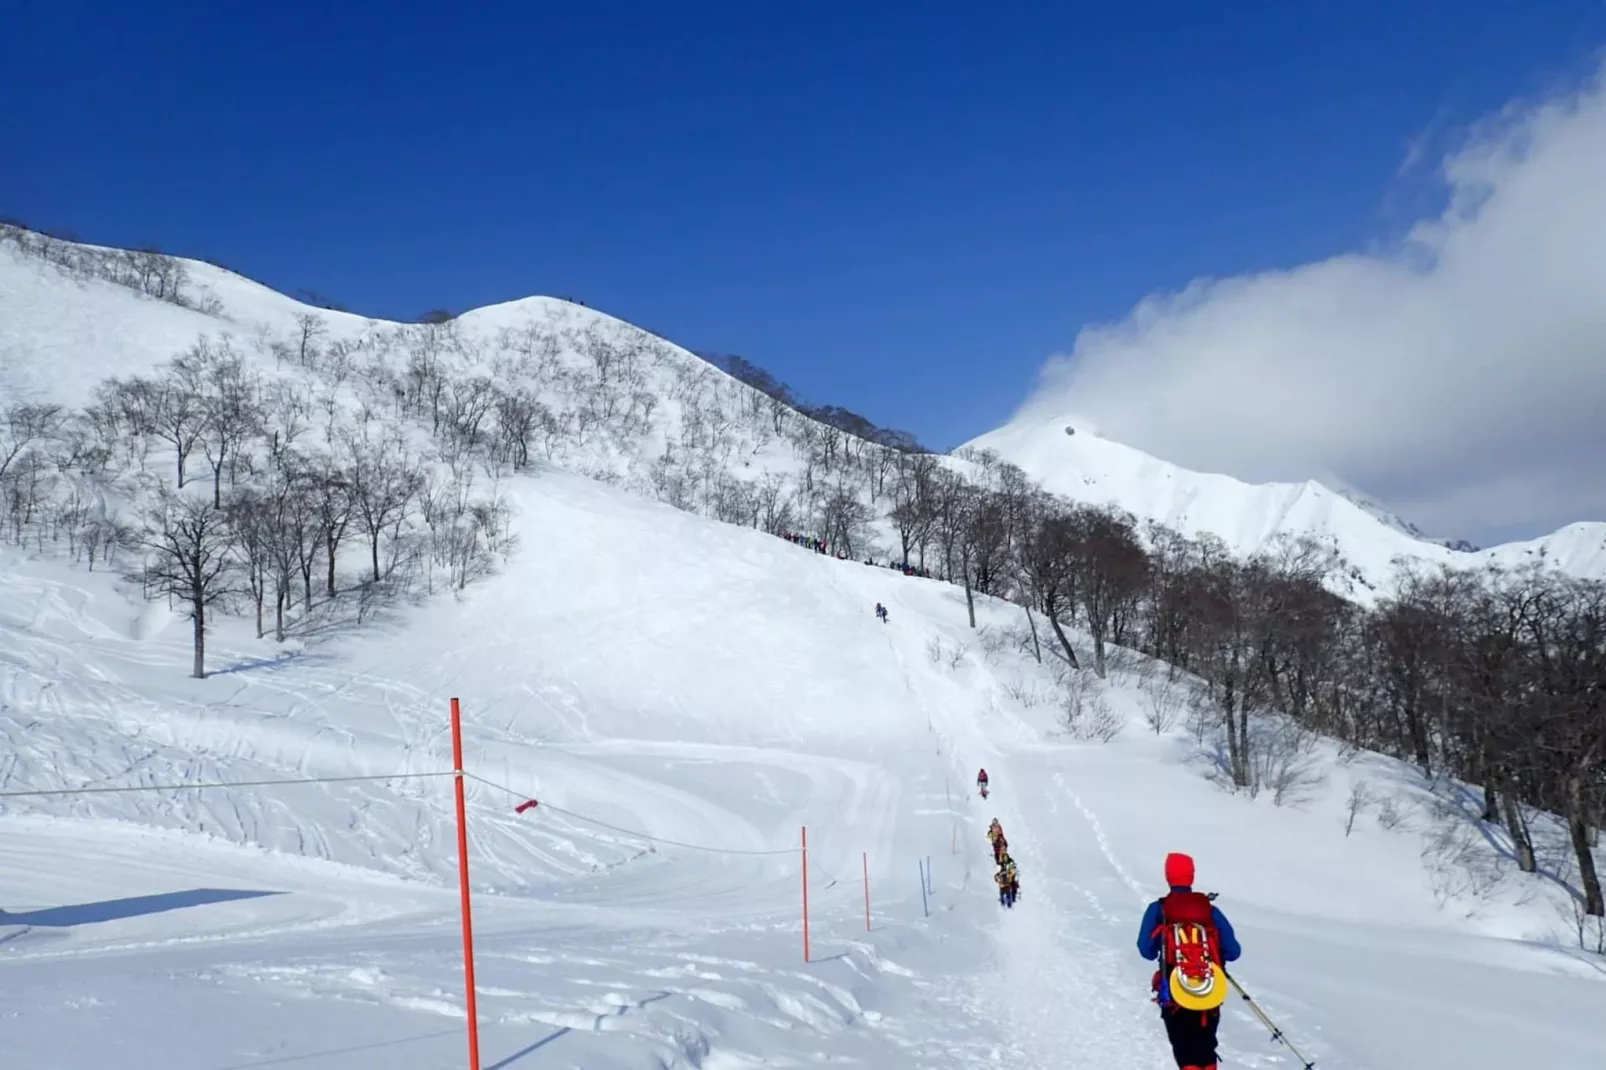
(1276, 1033)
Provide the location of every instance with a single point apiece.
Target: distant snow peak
(1381, 512)
(1399, 523)
(1068, 456)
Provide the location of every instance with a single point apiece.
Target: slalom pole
(1276, 1033)
(805, 893)
(462, 882)
(925, 906)
(930, 884)
(866, 891)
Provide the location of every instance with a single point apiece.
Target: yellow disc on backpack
(1199, 994)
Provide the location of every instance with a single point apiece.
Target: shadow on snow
(564, 1031)
(131, 907)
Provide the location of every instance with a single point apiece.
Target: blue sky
(904, 209)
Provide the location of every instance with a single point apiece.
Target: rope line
(832, 880)
(114, 789)
(200, 785)
(629, 832)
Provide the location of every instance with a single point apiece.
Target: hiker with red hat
(1190, 939)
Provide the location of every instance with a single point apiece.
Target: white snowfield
(715, 686)
(1247, 517)
(651, 673)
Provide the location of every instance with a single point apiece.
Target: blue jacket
(1150, 944)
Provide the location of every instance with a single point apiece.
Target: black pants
(1192, 1035)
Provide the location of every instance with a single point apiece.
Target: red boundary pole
(462, 882)
(867, 891)
(805, 893)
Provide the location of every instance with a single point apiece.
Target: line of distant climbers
(820, 546)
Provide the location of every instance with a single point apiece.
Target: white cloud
(1460, 377)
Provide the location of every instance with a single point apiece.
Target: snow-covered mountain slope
(706, 684)
(64, 333)
(641, 667)
(1088, 467)
(602, 396)
(681, 695)
(625, 405)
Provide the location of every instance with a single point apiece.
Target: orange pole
(867, 891)
(462, 882)
(805, 893)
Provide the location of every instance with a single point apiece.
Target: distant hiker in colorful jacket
(1008, 880)
(995, 836)
(1190, 939)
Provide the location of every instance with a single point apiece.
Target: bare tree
(304, 532)
(176, 413)
(188, 546)
(844, 520)
(382, 483)
(469, 403)
(251, 521)
(331, 489)
(1112, 571)
(1047, 570)
(23, 427)
(310, 330)
(518, 417)
(286, 408)
(232, 413)
(1566, 630)
(1360, 797)
(772, 509)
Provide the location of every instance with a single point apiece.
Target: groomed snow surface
(704, 684)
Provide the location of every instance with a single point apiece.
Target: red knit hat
(1178, 870)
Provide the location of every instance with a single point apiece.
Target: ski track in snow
(634, 964)
(603, 950)
(1058, 1003)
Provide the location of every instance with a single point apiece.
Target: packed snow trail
(1062, 1002)
(1335, 961)
(1351, 958)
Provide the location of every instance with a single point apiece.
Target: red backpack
(1192, 949)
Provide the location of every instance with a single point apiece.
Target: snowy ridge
(1087, 467)
(66, 333)
(614, 401)
(64, 336)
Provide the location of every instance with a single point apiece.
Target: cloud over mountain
(1459, 374)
